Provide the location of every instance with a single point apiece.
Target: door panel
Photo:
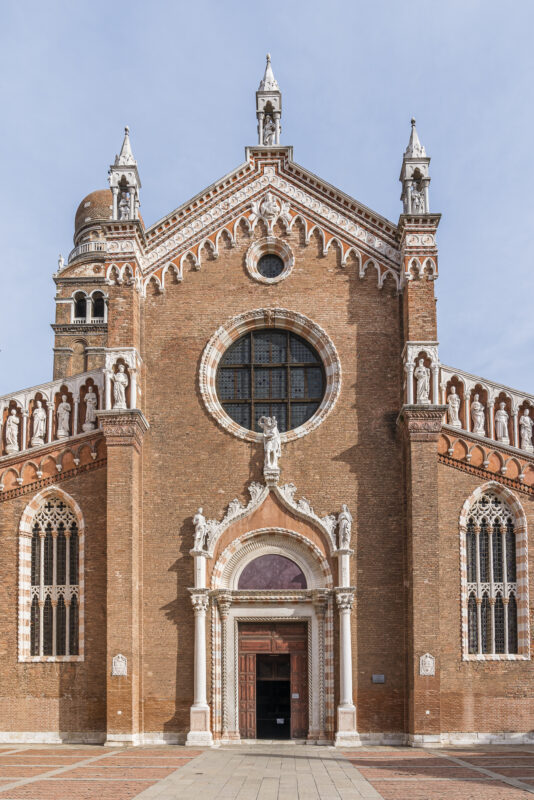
(247, 695)
(299, 695)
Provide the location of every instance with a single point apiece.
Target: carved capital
(422, 424)
(224, 601)
(320, 602)
(345, 599)
(123, 427)
(200, 600)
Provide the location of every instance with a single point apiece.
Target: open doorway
(273, 698)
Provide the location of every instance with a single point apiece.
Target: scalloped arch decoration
(264, 318)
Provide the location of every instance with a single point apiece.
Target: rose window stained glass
(271, 373)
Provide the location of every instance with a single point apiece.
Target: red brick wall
(475, 696)
(56, 696)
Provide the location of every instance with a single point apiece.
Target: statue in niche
(120, 382)
(525, 425)
(345, 526)
(271, 441)
(124, 207)
(91, 402)
(422, 376)
(269, 130)
(12, 432)
(63, 418)
(199, 521)
(453, 403)
(501, 424)
(418, 200)
(39, 424)
(478, 416)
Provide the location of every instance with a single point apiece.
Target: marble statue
(525, 425)
(269, 130)
(39, 424)
(12, 432)
(418, 201)
(422, 376)
(124, 207)
(120, 382)
(63, 418)
(453, 403)
(478, 416)
(91, 402)
(199, 521)
(60, 262)
(271, 441)
(344, 530)
(501, 424)
(269, 208)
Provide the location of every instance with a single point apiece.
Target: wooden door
(247, 695)
(299, 695)
(269, 637)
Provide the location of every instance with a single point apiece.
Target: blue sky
(183, 76)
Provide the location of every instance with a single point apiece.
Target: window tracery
(492, 583)
(55, 580)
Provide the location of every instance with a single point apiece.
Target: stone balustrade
(51, 411)
(487, 409)
(87, 247)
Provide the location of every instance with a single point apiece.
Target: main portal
(273, 680)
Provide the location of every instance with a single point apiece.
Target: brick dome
(96, 206)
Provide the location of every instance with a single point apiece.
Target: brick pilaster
(421, 426)
(124, 431)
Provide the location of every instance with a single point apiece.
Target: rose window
(270, 373)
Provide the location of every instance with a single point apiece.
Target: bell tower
(268, 108)
(125, 183)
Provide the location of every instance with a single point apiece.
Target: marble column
(346, 733)
(200, 733)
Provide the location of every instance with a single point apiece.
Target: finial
(413, 122)
(268, 57)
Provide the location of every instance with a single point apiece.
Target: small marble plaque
(119, 665)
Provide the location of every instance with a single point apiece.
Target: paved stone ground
(265, 772)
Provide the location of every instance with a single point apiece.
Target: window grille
(54, 581)
(271, 373)
(491, 578)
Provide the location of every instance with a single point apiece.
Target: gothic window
(492, 584)
(55, 581)
(271, 373)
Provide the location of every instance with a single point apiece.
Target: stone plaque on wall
(119, 665)
(427, 665)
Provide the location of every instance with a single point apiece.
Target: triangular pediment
(302, 198)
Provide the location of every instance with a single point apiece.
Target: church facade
(253, 503)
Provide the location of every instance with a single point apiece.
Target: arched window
(493, 589)
(80, 307)
(98, 307)
(54, 581)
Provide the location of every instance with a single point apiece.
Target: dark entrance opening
(273, 698)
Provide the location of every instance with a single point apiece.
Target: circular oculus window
(269, 260)
(270, 362)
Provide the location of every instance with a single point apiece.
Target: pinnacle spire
(125, 157)
(269, 82)
(268, 108)
(415, 149)
(125, 183)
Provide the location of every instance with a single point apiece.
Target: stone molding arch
(286, 542)
(285, 319)
(25, 560)
(520, 527)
